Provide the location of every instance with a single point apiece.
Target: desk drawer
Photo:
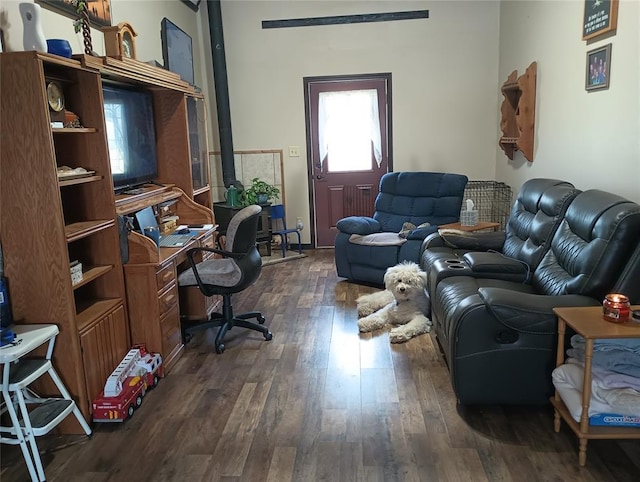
(165, 275)
(168, 299)
(170, 327)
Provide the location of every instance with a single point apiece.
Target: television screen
(177, 51)
(131, 135)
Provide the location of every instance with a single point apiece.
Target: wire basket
(492, 200)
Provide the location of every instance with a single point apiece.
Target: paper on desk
(204, 227)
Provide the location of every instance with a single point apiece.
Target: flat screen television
(131, 135)
(177, 50)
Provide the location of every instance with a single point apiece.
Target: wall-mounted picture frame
(598, 68)
(600, 17)
(99, 10)
(193, 4)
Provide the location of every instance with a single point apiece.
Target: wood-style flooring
(320, 402)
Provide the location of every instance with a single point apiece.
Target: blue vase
(59, 47)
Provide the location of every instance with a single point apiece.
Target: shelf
(91, 273)
(76, 231)
(202, 190)
(74, 130)
(595, 432)
(517, 113)
(129, 204)
(89, 312)
(82, 180)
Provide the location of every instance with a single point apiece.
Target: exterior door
(348, 136)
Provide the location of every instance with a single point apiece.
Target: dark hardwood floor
(320, 402)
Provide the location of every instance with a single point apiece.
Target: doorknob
(319, 177)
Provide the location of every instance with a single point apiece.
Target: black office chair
(238, 269)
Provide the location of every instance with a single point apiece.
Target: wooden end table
(476, 227)
(588, 322)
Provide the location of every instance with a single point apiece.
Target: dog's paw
(370, 323)
(398, 335)
(365, 310)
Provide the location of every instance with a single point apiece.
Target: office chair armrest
(225, 254)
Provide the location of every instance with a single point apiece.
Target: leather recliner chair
(512, 254)
(366, 246)
(499, 337)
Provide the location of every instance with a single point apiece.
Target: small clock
(55, 97)
(119, 41)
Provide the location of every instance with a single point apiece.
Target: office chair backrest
(241, 236)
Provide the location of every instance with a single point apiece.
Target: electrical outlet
(294, 151)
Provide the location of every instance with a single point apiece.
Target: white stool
(17, 374)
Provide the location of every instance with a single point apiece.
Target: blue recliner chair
(365, 247)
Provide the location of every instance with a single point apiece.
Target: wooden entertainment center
(47, 221)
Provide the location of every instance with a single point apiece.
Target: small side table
(476, 227)
(18, 372)
(588, 322)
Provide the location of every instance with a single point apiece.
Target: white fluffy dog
(403, 302)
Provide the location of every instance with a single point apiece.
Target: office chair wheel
(261, 319)
(268, 336)
(220, 348)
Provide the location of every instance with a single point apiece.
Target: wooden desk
(477, 227)
(588, 322)
(151, 277)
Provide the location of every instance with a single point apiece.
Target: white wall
(590, 139)
(444, 80)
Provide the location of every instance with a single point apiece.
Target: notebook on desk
(146, 218)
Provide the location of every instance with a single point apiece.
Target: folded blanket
(609, 378)
(568, 380)
(621, 361)
(629, 344)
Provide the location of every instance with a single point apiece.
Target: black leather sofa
(499, 336)
(512, 254)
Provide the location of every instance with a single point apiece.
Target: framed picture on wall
(598, 68)
(600, 17)
(99, 10)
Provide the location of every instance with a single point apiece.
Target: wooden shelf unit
(47, 222)
(518, 113)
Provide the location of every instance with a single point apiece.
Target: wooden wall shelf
(518, 113)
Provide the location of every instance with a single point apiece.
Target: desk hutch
(46, 223)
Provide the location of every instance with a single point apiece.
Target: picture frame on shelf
(600, 17)
(193, 4)
(598, 71)
(99, 10)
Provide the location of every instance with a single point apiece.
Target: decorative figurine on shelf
(83, 23)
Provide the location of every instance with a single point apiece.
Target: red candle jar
(616, 308)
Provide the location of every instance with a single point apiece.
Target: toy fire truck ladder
(113, 386)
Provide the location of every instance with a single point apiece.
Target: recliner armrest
(358, 225)
(527, 312)
(478, 241)
(421, 233)
(485, 263)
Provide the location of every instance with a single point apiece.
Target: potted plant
(259, 192)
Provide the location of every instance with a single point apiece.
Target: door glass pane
(348, 123)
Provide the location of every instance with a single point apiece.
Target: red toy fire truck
(127, 385)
